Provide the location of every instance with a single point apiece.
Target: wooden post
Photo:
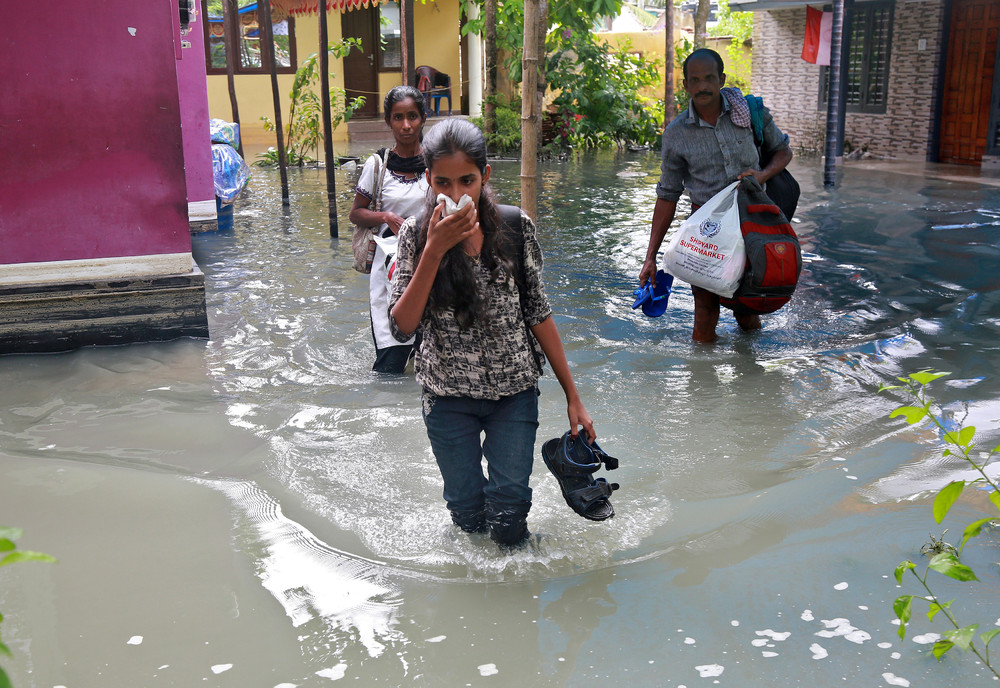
(324, 82)
(267, 43)
(529, 111)
(669, 101)
(230, 22)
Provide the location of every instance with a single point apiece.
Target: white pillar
(475, 66)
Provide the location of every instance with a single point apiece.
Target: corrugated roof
(312, 6)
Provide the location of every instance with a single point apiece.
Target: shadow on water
(765, 496)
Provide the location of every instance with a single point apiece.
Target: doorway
(361, 66)
(968, 83)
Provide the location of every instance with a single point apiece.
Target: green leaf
(973, 529)
(5, 650)
(989, 635)
(902, 606)
(888, 388)
(941, 647)
(935, 608)
(903, 568)
(946, 497)
(4, 681)
(26, 555)
(914, 414)
(995, 498)
(927, 376)
(7, 545)
(965, 435)
(948, 564)
(963, 637)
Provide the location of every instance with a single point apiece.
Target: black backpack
(774, 257)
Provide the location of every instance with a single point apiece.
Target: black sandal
(572, 462)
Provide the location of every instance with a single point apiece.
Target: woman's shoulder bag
(363, 238)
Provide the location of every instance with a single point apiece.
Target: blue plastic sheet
(222, 131)
(230, 171)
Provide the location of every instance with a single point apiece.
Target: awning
(311, 6)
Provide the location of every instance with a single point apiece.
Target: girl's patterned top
(493, 358)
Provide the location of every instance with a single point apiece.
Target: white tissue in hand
(450, 206)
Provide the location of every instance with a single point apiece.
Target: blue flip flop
(654, 299)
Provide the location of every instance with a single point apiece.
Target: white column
(475, 66)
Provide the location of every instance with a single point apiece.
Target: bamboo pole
(230, 19)
(529, 111)
(267, 37)
(324, 81)
(541, 85)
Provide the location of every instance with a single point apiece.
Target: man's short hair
(702, 53)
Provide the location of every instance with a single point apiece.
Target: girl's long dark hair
(455, 284)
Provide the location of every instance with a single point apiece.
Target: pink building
(95, 245)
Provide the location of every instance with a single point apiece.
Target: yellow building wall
(436, 43)
(253, 91)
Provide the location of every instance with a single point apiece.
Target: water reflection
(758, 475)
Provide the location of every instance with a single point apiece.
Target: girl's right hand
(445, 232)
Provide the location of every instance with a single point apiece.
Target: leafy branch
(947, 560)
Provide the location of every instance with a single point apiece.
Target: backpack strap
(756, 105)
(510, 224)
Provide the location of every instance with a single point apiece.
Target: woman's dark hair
(455, 284)
(701, 53)
(401, 93)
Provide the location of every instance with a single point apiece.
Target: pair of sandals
(654, 299)
(573, 461)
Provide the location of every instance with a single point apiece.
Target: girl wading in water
(403, 191)
(474, 291)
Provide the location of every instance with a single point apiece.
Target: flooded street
(262, 510)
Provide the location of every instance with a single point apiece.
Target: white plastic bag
(707, 251)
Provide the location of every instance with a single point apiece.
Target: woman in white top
(404, 191)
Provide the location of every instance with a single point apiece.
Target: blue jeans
(502, 498)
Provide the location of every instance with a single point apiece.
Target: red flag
(816, 45)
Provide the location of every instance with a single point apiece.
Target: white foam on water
(689, 641)
(885, 646)
(769, 654)
(894, 680)
(819, 652)
(862, 607)
(759, 642)
(734, 622)
(926, 638)
(841, 585)
(436, 639)
(488, 669)
(333, 673)
(841, 627)
(219, 668)
(807, 615)
(895, 655)
(710, 670)
(134, 640)
(286, 685)
(774, 635)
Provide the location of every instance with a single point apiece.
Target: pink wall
(192, 85)
(91, 156)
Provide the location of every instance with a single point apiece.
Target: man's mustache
(703, 93)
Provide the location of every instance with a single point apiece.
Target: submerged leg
(453, 429)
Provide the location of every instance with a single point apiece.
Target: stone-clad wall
(790, 85)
